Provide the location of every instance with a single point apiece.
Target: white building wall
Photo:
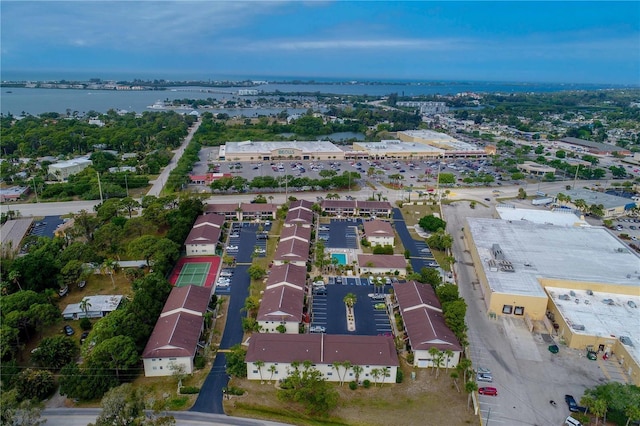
(382, 271)
(382, 241)
(157, 367)
(292, 327)
(292, 262)
(330, 374)
(423, 359)
(200, 249)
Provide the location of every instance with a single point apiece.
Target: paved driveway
(342, 233)
(369, 321)
(420, 258)
(210, 396)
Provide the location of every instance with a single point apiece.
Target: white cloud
(417, 44)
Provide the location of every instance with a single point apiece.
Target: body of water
(37, 101)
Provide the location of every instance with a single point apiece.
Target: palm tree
(350, 300)
(375, 373)
(385, 373)
(454, 376)
(357, 369)
(259, 364)
(109, 267)
(448, 355)
(433, 351)
(470, 387)
(464, 366)
(272, 370)
(85, 305)
(14, 277)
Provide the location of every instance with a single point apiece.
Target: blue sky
(573, 42)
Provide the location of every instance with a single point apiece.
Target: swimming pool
(341, 257)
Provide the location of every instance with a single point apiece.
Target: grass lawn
(423, 401)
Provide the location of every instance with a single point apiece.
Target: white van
(570, 421)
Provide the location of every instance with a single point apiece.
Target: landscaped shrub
(399, 376)
(189, 390)
(199, 362)
(232, 390)
(410, 358)
(353, 385)
(85, 324)
(366, 383)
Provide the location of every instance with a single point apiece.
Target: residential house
(300, 213)
(204, 235)
(425, 326)
(230, 211)
(252, 211)
(382, 264)
(375, 354)
(175, 338)
(283, 299)
(92, 307)
(294, 246)
(379, 233)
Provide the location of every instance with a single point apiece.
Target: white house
(381, 264)
(62, 170)
(425, 327)
(379, 233)
(270, 356)
(204, 236)
(175, 338)
(94, 307)
(283, 299)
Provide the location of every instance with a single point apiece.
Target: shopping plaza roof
(270, 146)
(537, 251)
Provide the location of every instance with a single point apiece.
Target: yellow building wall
(535, 307)
(586, 285)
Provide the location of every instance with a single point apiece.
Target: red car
(488, 391)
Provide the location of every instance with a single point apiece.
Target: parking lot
(342, 233)
(244, 240)
(369, 320)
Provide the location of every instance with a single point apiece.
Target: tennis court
(200, 271)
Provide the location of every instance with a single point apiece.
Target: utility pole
(126, 183)
(100, 187)
(35, 189)
(575, 179)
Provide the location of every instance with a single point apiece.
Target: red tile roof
(300, 204)
(282, 303)
(258, 207)
(423, 319)
(287, 273)
(206, 230)
(378, 228)
(299, 216)
(341, 204)
(296, 232)
(322, 349)
(221, 208)
(292, 250)
(377, 205)
(382, 261)
(174, 335)
(189, 298)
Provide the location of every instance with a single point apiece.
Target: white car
(260, 251)
(376, 296)
(232, 248)
(323, 228)
(234, 235)
(222, 285)
(317, 329)
(226, 274)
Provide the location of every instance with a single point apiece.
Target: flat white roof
(558, 218)
(594, 197)
(601, 314)
(395, 145)
(268, 146)
(452, 143)
(549, 251)
(71, 163)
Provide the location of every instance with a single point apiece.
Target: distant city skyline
(563, 42)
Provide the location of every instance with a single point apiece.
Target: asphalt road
(159, 183)
(84, 416)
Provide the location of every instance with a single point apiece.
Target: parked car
(573, 405)
(232, 248)
(484, 377)
(425, 250)
(338, 280)
(84, 336)
(376, 296)
(483, 370)
(320, 291)
(234, 235)
(226, 274)
(488, 391)
(259, 250)
(68, 330)
(63, 291)
(317, 329)
(323, 228)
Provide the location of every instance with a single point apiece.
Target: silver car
(484, 377)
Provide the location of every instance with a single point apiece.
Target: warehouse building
(531, 270)
(62, 170)
(612, 205)
(286, 150)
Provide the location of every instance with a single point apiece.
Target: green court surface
(193, 274)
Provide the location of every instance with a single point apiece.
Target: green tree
(431, 223)
(14, 413)
(308, 387)
(350, 300)
(259, 364)
(118, 354)
(470, 387)
(34, 384)
(129, 205)
(236, 365)
(124, 405)
(55, 352)
(256, 272)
